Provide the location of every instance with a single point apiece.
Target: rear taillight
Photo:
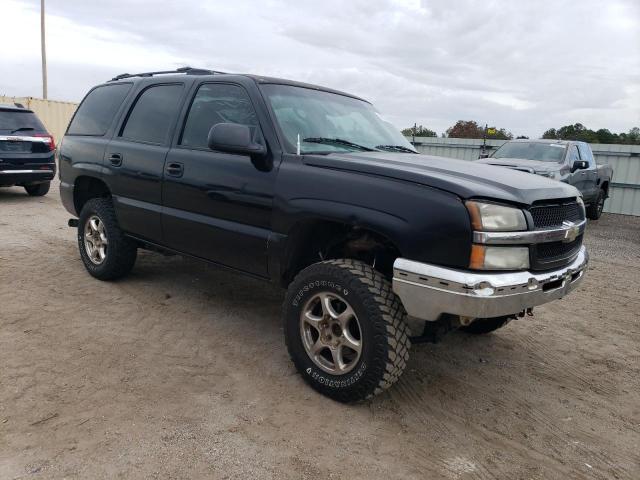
(50, 142)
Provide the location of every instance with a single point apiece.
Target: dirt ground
(180, 371)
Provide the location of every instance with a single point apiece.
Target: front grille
(554, 254)
(549, 216)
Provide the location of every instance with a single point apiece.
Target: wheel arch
(313, 240)
(85, 188)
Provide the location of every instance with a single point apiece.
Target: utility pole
(44, 51)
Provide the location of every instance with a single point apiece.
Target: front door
(218, 205)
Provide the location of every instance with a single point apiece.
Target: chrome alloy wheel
(95, 240)
(331, 333)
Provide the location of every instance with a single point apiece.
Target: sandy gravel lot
(179, 371)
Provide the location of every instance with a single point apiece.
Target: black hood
(466, 179)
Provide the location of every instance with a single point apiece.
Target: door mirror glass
(579, 165)
(234, 138)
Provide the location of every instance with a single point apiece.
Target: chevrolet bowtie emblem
(571, 231)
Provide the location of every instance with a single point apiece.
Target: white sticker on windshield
(556, 145)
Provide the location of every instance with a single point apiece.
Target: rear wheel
(345, 330)
(106, 252)
(485, 325)
(38, 190)
(594, 211)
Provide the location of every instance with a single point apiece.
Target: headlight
(581, 204)
(496, 218)
(499, 258)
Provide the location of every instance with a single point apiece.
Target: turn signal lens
(499, 258)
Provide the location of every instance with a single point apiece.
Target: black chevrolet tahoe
(26, 151)
(312, 189)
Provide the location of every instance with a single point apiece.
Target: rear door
(218, 205)
(134, 159)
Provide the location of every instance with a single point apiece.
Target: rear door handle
(115, 159)
(175, 169)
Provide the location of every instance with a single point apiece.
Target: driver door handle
(175, 169)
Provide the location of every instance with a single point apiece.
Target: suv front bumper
(427, 291)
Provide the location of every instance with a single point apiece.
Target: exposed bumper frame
(427, 291)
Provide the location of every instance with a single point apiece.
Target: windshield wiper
(22, 129)
(337, 141)
(396, 148)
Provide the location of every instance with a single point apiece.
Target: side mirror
(484, 155)
(234, 138)
(579, 165)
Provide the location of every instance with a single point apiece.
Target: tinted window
(153, 114)
(585, 153)
(97, 110)
(216, 103)
(20, 121)
(573, 154)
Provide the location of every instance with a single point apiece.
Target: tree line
(471, 129)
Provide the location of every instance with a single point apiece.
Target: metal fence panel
(624, 159)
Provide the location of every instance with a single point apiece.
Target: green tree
(579, 132)
(471, 129)
(465, 129)
(418, 131)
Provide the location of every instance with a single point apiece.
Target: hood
(466, 179)
(535, 165)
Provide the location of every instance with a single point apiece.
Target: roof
(200, 72)
(16, 107)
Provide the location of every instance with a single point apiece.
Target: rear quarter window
(96, 112)
(20, 121)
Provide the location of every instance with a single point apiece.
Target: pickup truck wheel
(345, 330)
(38, 190)
(594, 211)
(485, 325)
(106, 252)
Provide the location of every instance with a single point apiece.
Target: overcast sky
(525, 66)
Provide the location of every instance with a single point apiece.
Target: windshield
(328, 122)
(24, 121)
(546, 152)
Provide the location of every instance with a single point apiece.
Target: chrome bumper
(427, 291)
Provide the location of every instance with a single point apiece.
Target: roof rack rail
(186, 70)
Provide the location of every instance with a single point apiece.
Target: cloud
(526, 66)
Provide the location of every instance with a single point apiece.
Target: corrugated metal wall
(625, 160)
(55, 115)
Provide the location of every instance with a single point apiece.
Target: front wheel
(106, 252)
(38, 190)
(594, 211)
(345, 330)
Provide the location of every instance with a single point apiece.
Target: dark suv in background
(312, 189)
(26, 151)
